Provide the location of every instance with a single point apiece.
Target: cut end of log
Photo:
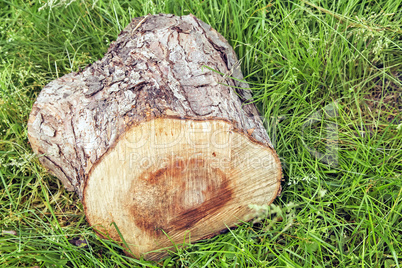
(169, 177)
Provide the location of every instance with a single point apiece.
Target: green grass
(301, 59)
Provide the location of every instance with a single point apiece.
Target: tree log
(160, 136)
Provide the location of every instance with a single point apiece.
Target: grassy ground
(327, 78)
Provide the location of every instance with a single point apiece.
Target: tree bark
(160, 136)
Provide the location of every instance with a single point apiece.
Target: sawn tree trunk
(160, 136)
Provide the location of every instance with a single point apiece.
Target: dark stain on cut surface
(178, 195)
(217, 199)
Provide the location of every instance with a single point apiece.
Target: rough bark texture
(155, 68)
